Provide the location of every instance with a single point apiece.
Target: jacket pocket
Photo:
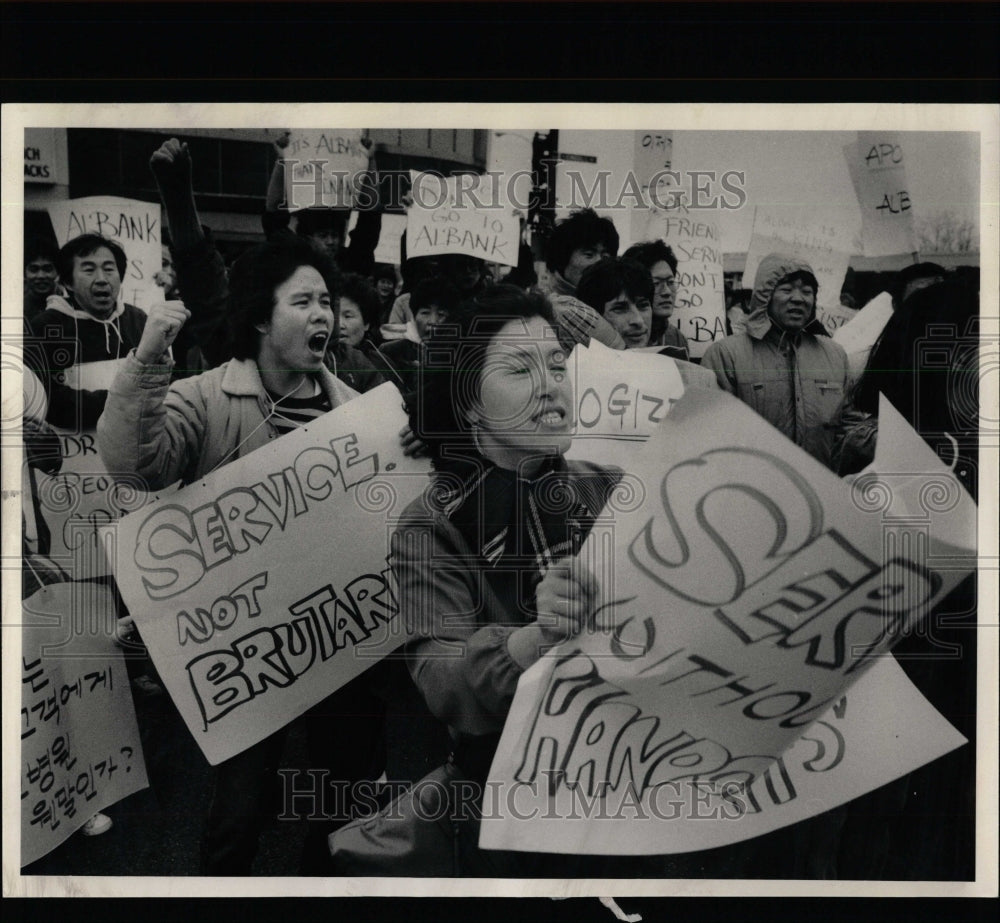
(829, 397)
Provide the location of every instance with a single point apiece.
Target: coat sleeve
(204, 286)
(149, 429)
(461, 666)
(719, 361)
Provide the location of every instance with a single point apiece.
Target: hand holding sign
(164, 323)
(565, 599)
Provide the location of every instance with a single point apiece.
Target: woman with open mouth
(484, 559)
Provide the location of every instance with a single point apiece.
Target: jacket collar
(561, 286)
(242, 379)
(63, 306)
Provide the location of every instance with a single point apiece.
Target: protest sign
(860, 333)
(322, 167)
(80, 749)
(133, 224)
(388, 250)
(264, 587)
(878, 173)
(741, 594)
(799, 232)
(83, 497)
(651, 158)
(621, 397)
(463, 215)
(834, 317)
(652, 154)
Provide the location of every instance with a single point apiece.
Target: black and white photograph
(576, 501)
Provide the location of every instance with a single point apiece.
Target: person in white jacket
(281, 313)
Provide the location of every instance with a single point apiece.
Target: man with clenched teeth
(280, 309)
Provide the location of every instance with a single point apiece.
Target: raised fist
(171, 165)
(162, 326)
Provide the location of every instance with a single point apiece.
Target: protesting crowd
(487, 572)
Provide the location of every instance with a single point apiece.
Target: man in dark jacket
(89, 324)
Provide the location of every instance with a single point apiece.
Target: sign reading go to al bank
(45, 156)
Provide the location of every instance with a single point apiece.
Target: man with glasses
(659, 259)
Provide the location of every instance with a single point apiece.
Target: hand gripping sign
(745, 588)
(264, 587)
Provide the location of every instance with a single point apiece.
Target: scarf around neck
(519, 527)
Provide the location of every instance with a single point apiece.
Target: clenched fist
(171, 166)
(162, 326)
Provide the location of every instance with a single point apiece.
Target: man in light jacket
(281, 312)
(785, 366)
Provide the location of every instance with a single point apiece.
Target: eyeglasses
(665, 283)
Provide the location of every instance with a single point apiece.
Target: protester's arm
(276, 219)
(42, 448)
(144, 430)
(201, 272)
(855, 434)
(360, 255)
(579, 323)
(716, 359)
(464, 671)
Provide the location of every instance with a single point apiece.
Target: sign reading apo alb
(878, 173)
(264, 587)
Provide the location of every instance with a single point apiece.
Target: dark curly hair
(609, 278)
(583, 228)
(256, 275)
(651, 252)
(453, 359)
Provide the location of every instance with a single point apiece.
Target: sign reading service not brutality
(463, 215)
(743, 591)
(264, 587)
(80, 748)
(133, 224)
